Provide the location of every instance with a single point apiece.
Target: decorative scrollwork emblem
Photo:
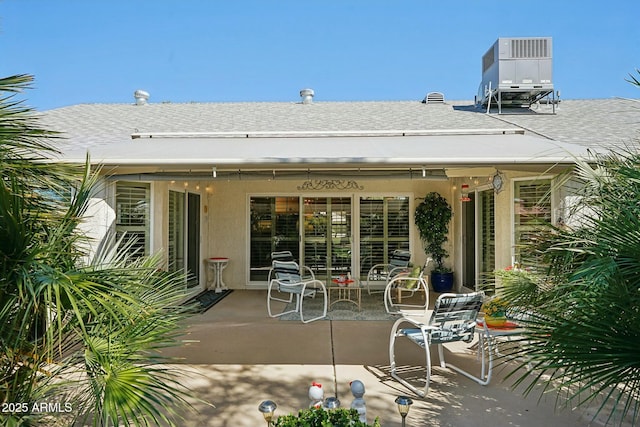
(330, 184)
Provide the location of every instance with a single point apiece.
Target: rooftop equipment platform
(517, 72)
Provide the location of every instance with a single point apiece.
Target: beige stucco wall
(228, 204)
(225, 212)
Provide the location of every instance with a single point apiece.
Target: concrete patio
(235, 356)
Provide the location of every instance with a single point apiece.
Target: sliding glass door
(183, 251)
(332, 235)
(479, 240)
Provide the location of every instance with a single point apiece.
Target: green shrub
(318, 417)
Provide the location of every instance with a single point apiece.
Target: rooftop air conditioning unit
(516, 72)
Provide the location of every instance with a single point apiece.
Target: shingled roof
(593, 122)
(107, 130)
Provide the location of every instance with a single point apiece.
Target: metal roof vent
(307, 96)
(434, 98)
(141, 97)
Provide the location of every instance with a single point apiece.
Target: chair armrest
(399, 270)
(408, 282)
(307, 272)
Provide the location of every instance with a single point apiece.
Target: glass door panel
(384, 227)
(274, 227)
(486, 239)
(193, 239)
(176, 250)
(327, 235)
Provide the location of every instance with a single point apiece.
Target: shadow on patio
(235, 356)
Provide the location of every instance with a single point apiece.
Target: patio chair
(398, 262)
(287, 256)
(287, 278)
(405, 285)
(452, 319)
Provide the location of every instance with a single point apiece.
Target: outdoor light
(404, 403)
(424, 172)
(331, 403)
(465, 196)
(214, 172)
(267, 408)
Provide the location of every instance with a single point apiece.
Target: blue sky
(353, 50)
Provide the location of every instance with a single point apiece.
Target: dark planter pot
(442, 282)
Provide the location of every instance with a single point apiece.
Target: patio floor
(240, 357)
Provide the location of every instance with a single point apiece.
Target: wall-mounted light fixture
(497, 181)
(214, 172)
(464, 188)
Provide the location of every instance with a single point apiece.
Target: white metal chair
(287, 256)
(452, 319)
(398, 262)
(286, 277)
(405, 285)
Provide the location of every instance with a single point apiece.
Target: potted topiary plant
(432, 218)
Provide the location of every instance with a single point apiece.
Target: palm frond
(89, 332)
(583, 323)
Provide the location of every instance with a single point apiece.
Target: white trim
(327, 134)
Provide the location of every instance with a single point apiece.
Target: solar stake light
(268, 408)
(331, 403)
(404, 403)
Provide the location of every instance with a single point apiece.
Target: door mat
(207, 299)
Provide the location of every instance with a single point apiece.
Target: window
(132, 216)
(532, 209)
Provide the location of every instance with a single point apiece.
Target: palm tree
(87, 337)
(583, 305)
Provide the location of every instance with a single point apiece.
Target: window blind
(132, 216)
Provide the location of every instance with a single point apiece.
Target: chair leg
(270, 298)
(325, 302)
(483, 379)
(400, 308)
(283, 299)
(375, 291)
(421, 392)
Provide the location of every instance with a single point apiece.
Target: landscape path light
(404, 403)
(267, 408)
(331, 403)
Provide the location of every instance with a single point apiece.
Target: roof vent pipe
(141, 97)
(307, 96)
